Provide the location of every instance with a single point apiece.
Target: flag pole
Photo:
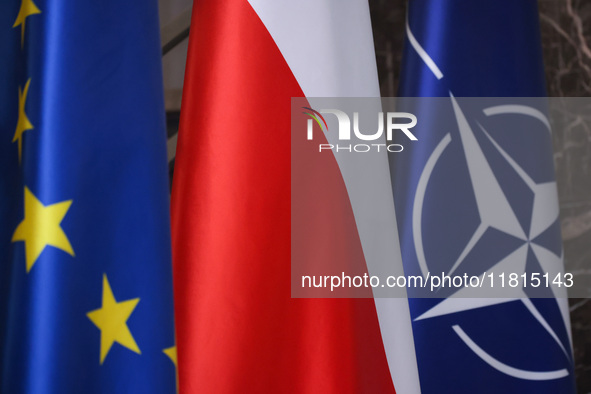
(176, 31)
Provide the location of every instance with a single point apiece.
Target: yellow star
(23, 124)
(41, 227)
(28, 8)
(171, 353)
(111, 319)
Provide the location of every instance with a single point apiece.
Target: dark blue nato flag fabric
(484, 48)
(85, 262)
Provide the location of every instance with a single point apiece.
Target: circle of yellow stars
(41, 227)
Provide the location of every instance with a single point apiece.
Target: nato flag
(448, 220)
(85, 266)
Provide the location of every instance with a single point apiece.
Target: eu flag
(85, 267)
(448, 221)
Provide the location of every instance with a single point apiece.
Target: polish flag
(238, 329)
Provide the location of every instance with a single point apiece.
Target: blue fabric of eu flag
(484, 48)
(85, 262)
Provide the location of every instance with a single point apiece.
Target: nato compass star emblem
(529, 249)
